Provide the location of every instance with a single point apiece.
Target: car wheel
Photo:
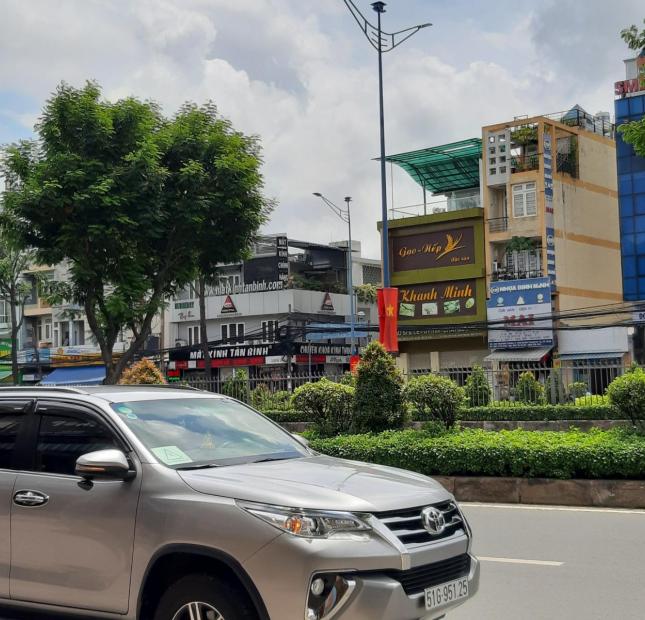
(204, 597)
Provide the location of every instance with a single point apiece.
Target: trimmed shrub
(263, 399)
(627, 394)
(328, 404)
(577, 389)
(477, 388)
(598, 454)
(541, 413)
(436, 398)
(348, 378)
(378, 403)
(529, 389)
(237, 386)
(143, 372)
(592, 400)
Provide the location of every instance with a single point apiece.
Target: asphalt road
(583, 564)
(542, 563)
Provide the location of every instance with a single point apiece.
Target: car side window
(12, 417)
(64, 436)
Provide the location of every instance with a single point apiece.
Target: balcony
(498, 224)
(504, 273)
(445, 205)
(525, 163)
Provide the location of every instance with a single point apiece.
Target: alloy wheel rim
(198, 611)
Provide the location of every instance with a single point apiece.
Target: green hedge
(573, 454)
(288, 416)
(541, 412)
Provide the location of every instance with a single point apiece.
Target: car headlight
(310, 523)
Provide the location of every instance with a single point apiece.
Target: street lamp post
(382, 42)
(345, 215)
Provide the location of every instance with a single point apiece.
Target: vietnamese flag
(388, 314)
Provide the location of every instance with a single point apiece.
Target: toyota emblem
(433, 520)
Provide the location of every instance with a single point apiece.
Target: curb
(547, 491)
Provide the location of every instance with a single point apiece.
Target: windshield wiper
(203, 466)
(274, 458)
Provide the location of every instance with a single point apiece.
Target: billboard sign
(438, 300)
(519, 314)
(439, 248)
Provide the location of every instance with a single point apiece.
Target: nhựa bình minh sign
(519, 314)
(439, 300)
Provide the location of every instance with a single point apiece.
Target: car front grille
(416, 580)
(407, 524)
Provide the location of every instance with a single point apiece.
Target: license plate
(446, 593)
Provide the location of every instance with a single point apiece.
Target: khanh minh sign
(519, 314)
(442, 248)
(438, 300)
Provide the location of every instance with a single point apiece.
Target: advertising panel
(441, 248)
(519, 314)
(549, 218)
(439, 300)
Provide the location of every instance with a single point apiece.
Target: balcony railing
(524, 163)
(516, 274)
(446, 204)
(567, 163)
(588, 122)
(498, 224)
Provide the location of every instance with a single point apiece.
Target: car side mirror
(103, 464)
(300, 439)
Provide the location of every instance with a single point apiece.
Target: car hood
(319, 482)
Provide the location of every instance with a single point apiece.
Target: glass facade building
(631, 199)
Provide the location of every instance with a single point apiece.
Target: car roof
(112, 393)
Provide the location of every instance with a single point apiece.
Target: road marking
(518, 561)
(554, 508)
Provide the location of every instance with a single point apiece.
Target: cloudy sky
(300, 75)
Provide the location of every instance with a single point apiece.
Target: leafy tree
(436, 398)
(634, 38)
(118, 192)
(143, 372)
(378, 402)
(478, 388)
(14, 289)
(366, 293)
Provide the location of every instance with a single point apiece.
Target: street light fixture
(382, 42)
(344, 214)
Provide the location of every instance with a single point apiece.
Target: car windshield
(190, 433)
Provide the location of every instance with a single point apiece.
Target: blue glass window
(637, 164)
(641, 265)
(638, 182)
(639, 248)
(640, 226)
(625, 184)
(629, 286)
(626, 225)
(628, 245)
(622, 148)
(636, 105)
(621, 107)
(629, 267)
(639, 203)
(626, 205)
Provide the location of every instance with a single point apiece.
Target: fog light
(317, 586)
(327, 594)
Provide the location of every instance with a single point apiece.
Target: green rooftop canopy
(442, 169)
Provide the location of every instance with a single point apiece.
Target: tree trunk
(203, 332)
(14, 340)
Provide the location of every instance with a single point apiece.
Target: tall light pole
(345, 215)
(382, 42)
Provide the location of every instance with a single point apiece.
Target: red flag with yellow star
(388, 313)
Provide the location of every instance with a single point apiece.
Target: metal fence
(512, 384)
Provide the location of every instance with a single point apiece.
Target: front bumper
(282, 572)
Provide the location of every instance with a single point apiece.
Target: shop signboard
(549, 217)
(5, 347)
(519, 314)
(452, 299)
(439, 248)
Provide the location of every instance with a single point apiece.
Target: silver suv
(156, 503)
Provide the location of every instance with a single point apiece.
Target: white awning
(518, 355)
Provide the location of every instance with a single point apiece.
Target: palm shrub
(577, 389)
(237, 385)
(328, 404)
(477, 388)
(529, 389)
(143, 372)
(554, 388)
(378, 403)
(436, 398)
(627, 394)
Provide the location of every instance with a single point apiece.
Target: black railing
(567, 163)
(517, 274)
(524, 163)
(498, 224)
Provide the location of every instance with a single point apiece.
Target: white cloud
(278, 69)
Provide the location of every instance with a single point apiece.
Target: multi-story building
(630, 106)
(272, 310)
(546, 189)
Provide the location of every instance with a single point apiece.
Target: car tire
(227, 599)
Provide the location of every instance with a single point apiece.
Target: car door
(13, 426)
(72, 540)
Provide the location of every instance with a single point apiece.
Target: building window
(4, 311)
(269, 331)
(233, 333)
(524, 200)
(193, 335)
